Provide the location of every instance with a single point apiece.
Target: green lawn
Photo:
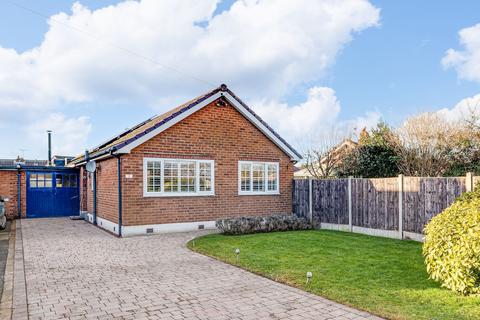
(383, 276)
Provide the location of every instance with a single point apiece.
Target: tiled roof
(151, 124)
(144, 127)
(29, 163)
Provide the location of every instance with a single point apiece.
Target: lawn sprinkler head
(309, 276)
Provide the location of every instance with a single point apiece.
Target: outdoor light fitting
(309, 276)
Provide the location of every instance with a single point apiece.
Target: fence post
(400, 206)
(310, 200)
(469, 182)
(350, 224)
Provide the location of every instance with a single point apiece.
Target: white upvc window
(178, 177)
(258, 178)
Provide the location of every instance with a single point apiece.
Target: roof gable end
(127, 141)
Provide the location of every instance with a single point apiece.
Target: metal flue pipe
(49, 133)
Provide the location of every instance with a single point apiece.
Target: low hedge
(452, 245)
(245, 225)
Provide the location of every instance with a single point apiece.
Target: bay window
(258, 177)
(177, 177)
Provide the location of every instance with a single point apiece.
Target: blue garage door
(52, 194)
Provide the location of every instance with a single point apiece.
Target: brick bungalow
(209, 158)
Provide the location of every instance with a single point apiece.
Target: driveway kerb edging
(19, 301)
(7, 295)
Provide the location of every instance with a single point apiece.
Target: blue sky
(396, 68)
(390, 69)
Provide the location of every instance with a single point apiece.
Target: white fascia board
(128, 148)
(83, 162)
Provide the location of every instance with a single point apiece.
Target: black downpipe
(19, 195)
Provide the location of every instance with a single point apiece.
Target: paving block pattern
(74, 270)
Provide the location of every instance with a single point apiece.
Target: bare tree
(323, 160)
(466, 154)
(424, 144)
(472, 119)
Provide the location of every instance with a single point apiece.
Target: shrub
(452, 245)
(244, 225)
(370, 162)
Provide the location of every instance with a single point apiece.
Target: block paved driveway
(77, 271)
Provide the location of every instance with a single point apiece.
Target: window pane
(149, 184)
(154, 176)
(187, 177)
(170, 179)
(48, 180)
(258, 177)
(150, 169)
(150, 177)
(66, 181)
(205, 176)
(272, 177)
(41, 180)
(157, 183)
(59, 180)
(73, 180)
(33, 180)
(245, 177)
(157, 176)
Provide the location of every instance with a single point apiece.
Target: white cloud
(320, 108)
(69, 135)
(313, 120)
(463, 109)
(368, 121)
(467, 61)
(262, 48)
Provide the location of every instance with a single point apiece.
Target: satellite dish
(91, 166)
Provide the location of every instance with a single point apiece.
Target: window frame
(71, 180)
(43, 180)
(162, 193)
(265, 178)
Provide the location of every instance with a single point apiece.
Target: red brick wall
(107, 191)
(9, 189)
(82, 180)
(220, 134)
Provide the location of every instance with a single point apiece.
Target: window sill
(259, 193)
(176, 195)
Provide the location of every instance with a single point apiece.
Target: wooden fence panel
(300, 198)
(476, 180)
(375, 203)
(330, 200)
(424, 198)
(392, 208)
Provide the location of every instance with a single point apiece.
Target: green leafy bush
(452, 245)
(245, 225)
